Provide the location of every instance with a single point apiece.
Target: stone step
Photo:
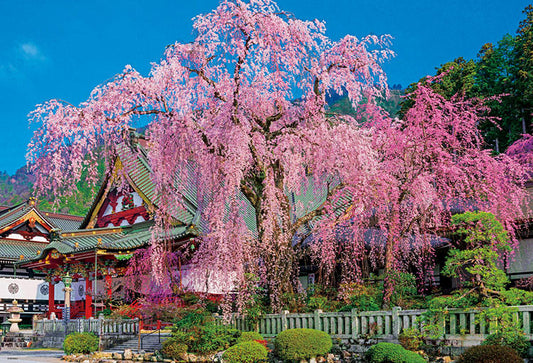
(150, 343)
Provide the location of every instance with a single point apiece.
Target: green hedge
(392, 353)
(248, 336)
(80, 343)
(490, 353)
(245, 352)
(302, 344)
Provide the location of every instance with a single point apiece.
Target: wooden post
(525, 322)
(51, 298)
(109, 285)
(88, 298)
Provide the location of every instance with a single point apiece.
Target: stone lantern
(15, 319)
(67, 280)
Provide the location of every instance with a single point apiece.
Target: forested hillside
(17, 188)
(502, 74)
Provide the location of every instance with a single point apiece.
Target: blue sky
(62, 49)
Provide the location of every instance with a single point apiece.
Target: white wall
(522, 261)
(23, 289)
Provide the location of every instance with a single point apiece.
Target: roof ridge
(59, 215)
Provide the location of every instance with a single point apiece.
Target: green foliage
(391, 104)
(515, 340)
(247, 336)
(404, 288)
(490, 354)
(362, 297)
(198, 330)
(207, 338)
(475, 262)
(254, 298)
(246, 352)
(192, 319)
(302, 344)
(84, 343)
(173, 349)
(515, 296)
(294, 302)
(437, 313)
(391, 353)
(411, 339)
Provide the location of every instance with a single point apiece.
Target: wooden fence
(101, 327)
(457, 325)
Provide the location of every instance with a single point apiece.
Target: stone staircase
(150, 343)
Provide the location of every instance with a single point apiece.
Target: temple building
(25, 232)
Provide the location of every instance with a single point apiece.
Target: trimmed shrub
(392, 353)
(515, 340)
(80, 343)
(302, 344)
(247, 336)
(411, 339)
(245, 352)
(173, 349)
(490, 354)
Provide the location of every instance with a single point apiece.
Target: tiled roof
(140, 173)
(108, 238)
(11, 215)
(65, 222)
(11, 250)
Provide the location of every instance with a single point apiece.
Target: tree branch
(208, 80)
(317, 212)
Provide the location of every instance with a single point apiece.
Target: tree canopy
(244, 104)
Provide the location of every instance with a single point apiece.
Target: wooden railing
(458, 324)
(101, 327)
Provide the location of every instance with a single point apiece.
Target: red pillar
(109, 285)
(88, 298)
(51, 296)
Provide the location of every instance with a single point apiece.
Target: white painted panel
(118, 208)
(139, 219)
(198, 279)
(23, 289)
(108, 210)
(137, 200)
(522, 261)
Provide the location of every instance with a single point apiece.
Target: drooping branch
(209, 81)
(316, 212)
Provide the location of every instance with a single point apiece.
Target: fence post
(355, 323)
(316, 318)
(525, 322)
(100, 324)
(396, 321)
(284, 323)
